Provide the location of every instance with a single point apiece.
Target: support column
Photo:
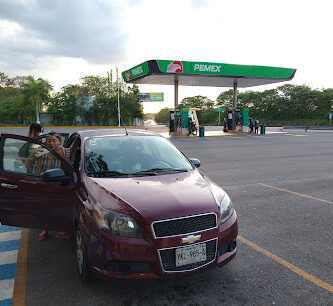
(176, 92)
(235, 105)
(235, 94)
(176, 103)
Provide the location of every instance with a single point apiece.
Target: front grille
(168, 258)
(184, 225)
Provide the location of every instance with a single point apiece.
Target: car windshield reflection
(125, 156)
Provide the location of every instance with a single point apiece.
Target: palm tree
(36, 92)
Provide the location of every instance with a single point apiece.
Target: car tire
(82, 260)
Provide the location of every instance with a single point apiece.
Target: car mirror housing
(55, 175)
(195, 162)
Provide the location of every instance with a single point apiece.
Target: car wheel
(81, 256)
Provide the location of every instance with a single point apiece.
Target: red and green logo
(128, 75)
(175, 66)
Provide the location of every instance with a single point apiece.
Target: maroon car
(138, 207)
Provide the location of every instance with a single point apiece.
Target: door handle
(9, 186)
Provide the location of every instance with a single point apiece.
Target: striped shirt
(49, 161)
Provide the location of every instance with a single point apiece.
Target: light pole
(118, 99)
(37, 113)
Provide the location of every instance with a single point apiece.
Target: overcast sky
(64, 40)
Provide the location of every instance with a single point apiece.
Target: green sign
(219, 110)
(151, 97)
(206, 68)
(135, 72)
(156, 96)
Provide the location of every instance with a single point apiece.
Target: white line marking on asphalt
(8, 257)
(6, 291)
(7, 236)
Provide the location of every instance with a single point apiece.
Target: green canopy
(167, 72)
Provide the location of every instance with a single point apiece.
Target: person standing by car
(251, 125)
(35, 129)
(41, 160)
(256, 127)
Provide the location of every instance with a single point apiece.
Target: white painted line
(295, 135)
(6, 291)
(8, 257)
(6, 236)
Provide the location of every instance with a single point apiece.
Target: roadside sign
(218, 110)
(330, 116)
(151, 96)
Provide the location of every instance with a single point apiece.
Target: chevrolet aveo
(138, 208)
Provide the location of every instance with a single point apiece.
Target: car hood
(156, 197)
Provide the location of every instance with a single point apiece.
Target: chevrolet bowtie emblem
(191, 239)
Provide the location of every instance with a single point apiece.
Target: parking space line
(7, 236)
(6, 292)
(8, 257)
(9, 244)
(21, 270)
(296, 193)
(288, 265)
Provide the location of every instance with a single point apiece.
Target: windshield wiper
(107, 173)
(168, 170)
(144, 173)
(155, 171)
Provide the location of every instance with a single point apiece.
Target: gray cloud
(92, 30)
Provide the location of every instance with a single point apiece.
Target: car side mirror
(55, 175)
(195, 162)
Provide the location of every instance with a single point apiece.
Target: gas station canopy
(167, 72)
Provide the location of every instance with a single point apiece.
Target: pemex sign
(190, 67)
(155, 71)
(135, 72)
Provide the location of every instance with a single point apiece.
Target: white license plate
(190, 254)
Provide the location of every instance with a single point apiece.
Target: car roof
(114, 132)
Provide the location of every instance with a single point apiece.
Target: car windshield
(121, 156)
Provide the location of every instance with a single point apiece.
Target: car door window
(25, 157)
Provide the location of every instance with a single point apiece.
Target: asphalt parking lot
(281, 185)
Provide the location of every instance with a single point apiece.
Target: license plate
(190, 254)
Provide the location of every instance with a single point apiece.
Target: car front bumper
(129, 258)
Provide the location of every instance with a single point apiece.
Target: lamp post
(118, 99)
(37, 113)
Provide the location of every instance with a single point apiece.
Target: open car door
(26, 199)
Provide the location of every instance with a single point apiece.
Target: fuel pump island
(170, 72)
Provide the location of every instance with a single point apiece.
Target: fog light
(232, 246)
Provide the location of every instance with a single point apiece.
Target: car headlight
(226, 208)
(116, 223)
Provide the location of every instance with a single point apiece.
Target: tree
(197, 102)
(64, 106)
(225, 99)
(162, 117)
(36, 92)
